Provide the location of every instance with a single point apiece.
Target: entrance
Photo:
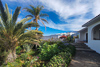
(86, 37)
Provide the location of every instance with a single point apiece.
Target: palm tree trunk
(11, 56)
(36, 26)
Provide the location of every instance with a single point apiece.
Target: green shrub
(13, 64)
(61, 46)
(51, 42)
(71, 49)
(57, 61)
(24, 56)
(18, 49)
(61, 60)
(47, 51)
(66, 56)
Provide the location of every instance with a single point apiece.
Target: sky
(64, 15)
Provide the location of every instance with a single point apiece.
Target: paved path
(85, 59)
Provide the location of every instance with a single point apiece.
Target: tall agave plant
(37, 15)
(13, 33)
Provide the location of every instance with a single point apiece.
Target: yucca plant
(36, 14)
(13, 33)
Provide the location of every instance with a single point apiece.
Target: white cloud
(96, 8)
(66, 9)
(73, 25)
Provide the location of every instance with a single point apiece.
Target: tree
(35, 12)
(13, 33)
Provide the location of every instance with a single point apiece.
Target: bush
(57, 61)
(66, 56)
(61, 60)
(18, 49)
(68, 48)
(48, 51)
(24, 61)
(24, 56)
(61, 46)
(71, 49)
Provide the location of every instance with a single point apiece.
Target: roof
(84, 29)
(92, 21)
(63, 36)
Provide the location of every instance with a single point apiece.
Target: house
(91, 34)
(57, 36)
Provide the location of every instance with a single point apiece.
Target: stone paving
(85, 59)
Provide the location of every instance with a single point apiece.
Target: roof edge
(92, 20)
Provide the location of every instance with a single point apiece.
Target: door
(86, 37)
(99, 34)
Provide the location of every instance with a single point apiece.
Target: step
(81, 46)
(80, 49)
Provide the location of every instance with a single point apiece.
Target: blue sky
(64, 15)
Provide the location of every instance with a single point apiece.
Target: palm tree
(13, 33)
(35, 12)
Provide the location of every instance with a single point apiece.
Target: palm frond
(7, 12)
(19, 25)
(29, 16)
(41, 7)
(30, 24)
(33, 8)
(3, 13)
(30, 34)
(44, 20)
(24, 20)
(15, 15)
(43, 24)
(29, 10)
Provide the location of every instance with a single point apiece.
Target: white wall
(93, 44)
(82, 35)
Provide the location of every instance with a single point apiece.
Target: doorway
(86, 37)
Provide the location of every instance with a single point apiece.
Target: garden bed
(48, 54)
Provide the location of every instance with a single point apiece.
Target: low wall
(76, 40)
(95, 45)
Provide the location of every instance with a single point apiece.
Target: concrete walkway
(85, 58)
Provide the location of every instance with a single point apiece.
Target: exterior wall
(93, 44)
(82, 35)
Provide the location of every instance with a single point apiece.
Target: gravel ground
(85, 59)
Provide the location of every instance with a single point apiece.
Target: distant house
(91, 34)
(63, 37)
(56, 36)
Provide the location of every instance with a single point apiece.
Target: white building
(91, 33)
(56, 36)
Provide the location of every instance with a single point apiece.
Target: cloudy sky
(64, 15)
